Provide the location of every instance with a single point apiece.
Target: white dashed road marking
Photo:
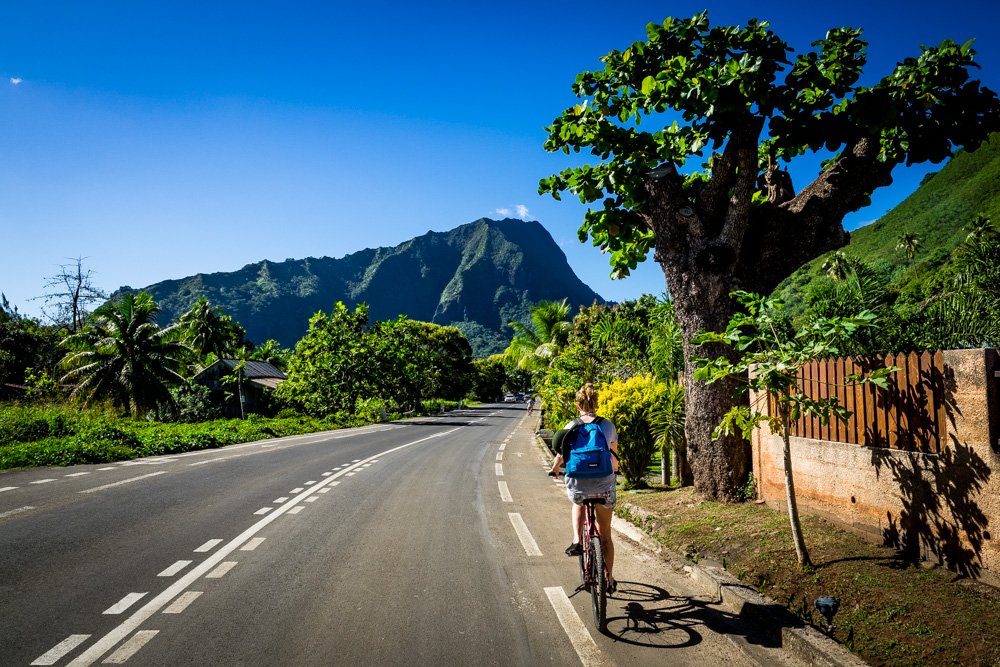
(252, 544)
(78, 474)
(129, 648)
(43, 481)
(53, 655)
(175, 568)
(263, 510)
(282, 499)
(125, 603)
(499, 469)
(523, 534)
(208, 546)
(296, 509)
(583, 643)
(499, 456)
(220, 571)
(181, 603)
(124, 481)
(26, 508)
(11, 488)
(505, 492)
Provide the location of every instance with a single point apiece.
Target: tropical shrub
(630, 405)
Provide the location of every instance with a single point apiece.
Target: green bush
(28, 423)
(630, 405)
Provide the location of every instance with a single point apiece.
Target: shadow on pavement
(653, 618)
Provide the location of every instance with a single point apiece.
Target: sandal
(612, 586)
(574, 549)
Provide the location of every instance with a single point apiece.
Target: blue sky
(159, 140)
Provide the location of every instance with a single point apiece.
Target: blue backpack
(587, 452)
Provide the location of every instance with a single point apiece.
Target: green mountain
(478, 277)
(936, 213)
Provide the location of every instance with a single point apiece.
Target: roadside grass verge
(63, 435)
(892, 613)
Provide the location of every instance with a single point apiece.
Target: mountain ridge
(478, 276)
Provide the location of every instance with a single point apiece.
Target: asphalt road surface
(434, 541)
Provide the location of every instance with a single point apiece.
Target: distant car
(509, 398)
(519, 397)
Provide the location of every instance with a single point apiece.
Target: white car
(509, 398)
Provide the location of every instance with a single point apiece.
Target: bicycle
(593, 569)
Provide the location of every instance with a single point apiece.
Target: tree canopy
(739, 99)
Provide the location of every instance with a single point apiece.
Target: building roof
(252, 370)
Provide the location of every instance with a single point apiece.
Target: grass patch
(891, 613)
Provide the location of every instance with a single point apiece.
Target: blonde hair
(586, 398)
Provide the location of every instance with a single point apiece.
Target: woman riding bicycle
(579, 489)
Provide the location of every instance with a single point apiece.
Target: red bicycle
(593, 570)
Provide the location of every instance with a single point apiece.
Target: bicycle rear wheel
(598, 582)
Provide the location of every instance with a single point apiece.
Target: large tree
(738, 97)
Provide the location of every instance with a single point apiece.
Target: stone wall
(936, 507)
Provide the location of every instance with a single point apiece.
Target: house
(256, 380)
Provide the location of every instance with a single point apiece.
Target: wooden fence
(910, 416)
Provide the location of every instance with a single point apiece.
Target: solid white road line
(124, 481)
(208, 546)
(175, 568)
(125, 603)
(26, 508)
(252, 544)
(220, 571)
(131, 647)
(505, 492)
(523, 534)
(499, 469)
(53, 655)
(181, 603)
(579, 637)
(141, 615)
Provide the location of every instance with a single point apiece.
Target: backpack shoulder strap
(576, 424)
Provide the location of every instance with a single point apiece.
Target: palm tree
(204, 329)
(837, 267)
(979, 228)
(535, 347)
(123, 356)
(908, 243)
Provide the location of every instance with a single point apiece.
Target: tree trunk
(719, 467)
(793, 508)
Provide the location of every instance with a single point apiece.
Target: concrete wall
(937, 507)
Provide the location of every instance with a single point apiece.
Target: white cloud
(16, 80)
(520, 211)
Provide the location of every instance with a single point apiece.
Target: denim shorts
(579, 490)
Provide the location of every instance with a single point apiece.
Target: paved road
(432, 541)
